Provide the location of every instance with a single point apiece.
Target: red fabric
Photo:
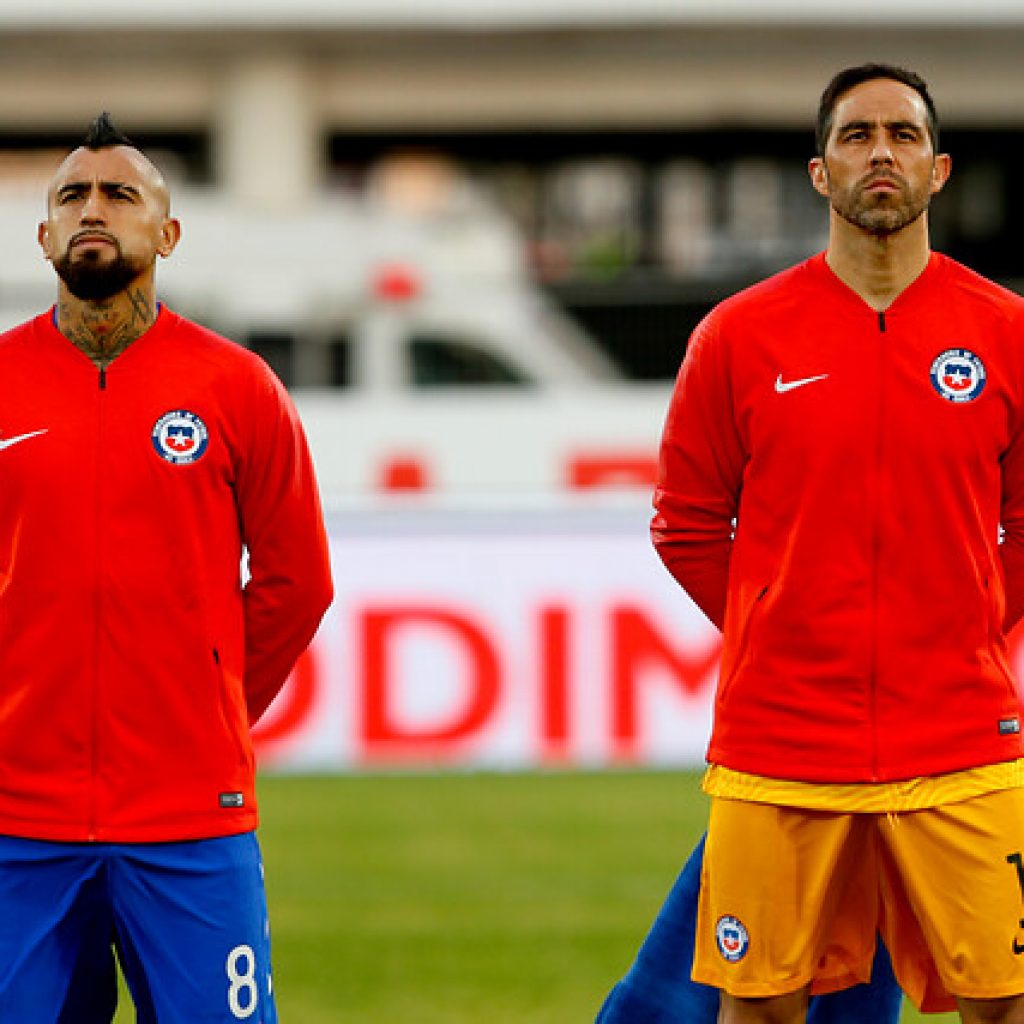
(864, 595)
(131, 657)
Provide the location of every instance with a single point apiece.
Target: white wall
(497, 639)
(413, 13)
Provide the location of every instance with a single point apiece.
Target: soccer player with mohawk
(140, 456)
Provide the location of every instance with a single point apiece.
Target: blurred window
(594, 211)
(442, 362)
(340, 362)
(278, 349)
(684, 218)
(752, 199)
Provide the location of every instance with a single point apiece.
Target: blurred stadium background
(472, 237)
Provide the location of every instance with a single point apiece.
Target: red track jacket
(131, 658)
(870, 461)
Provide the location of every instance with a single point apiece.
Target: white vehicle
(420, 353)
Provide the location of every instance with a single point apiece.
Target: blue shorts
(188, 921)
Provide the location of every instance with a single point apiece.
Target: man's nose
(92, 208)
(881, 151)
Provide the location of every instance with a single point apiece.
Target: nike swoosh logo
(783, 386)
(6, 442)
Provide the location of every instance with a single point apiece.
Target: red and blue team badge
(732, 938)
(958, 375)
(180, 437)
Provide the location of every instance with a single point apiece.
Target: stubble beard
(881, 214)
(91, 278)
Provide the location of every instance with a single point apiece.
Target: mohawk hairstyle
(103, 133)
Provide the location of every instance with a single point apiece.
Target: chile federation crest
(180, 437)
(732, 938)
(958, 375)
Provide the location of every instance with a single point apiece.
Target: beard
(91, 278)
(881, 214)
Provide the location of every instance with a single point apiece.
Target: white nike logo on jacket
(6, 442)
(782, 387)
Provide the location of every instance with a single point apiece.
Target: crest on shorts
(180, 437)
(958, 375)
(732, 938)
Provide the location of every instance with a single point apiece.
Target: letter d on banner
(385, 736)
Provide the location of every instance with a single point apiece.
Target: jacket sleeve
(700, 469)
(289, 584)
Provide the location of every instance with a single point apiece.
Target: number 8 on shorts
(243, 991)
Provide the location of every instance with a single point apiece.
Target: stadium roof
(494, 14)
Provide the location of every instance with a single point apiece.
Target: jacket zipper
(95, 710)
(876, 554)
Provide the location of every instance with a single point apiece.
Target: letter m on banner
(643, 655)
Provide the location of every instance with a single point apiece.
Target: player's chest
(63, 433)
(934, 391)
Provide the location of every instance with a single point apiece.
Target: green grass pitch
(461, 898)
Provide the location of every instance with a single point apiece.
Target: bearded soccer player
(841, 490)
(140, 455)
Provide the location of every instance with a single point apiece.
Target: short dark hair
(103, 134)
(848, 78)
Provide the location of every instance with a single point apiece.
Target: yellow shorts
(793, 897)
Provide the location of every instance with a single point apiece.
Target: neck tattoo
(103, 330)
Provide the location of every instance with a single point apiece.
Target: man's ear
(941, 170)
(819, 175)
(170, 233)
(43, 235)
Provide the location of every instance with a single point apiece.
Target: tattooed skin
(104, 329)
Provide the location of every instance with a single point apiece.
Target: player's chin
(92, 257)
